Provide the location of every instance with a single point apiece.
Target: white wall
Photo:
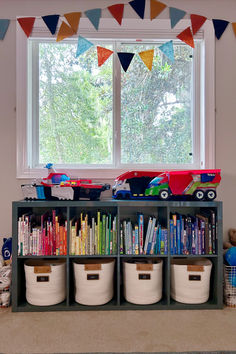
(225, 92)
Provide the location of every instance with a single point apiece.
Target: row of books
(135, 240)
(93, 235)
(193, 234)
(44, 237)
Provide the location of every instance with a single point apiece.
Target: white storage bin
(94, 281)
(190, 280)
(143, 281)
(45, 282)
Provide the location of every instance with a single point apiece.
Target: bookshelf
(122, 209)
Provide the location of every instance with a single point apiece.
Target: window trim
(129, 28)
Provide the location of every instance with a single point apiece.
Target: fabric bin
(45, 282)
(190, 280)
(143, 281)
(94, 280)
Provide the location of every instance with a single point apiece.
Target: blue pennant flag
(168, 49)
(220, 27)
(138, 6)
(94, 16)
(175, 16)
(82, 46)
(51, 22)
(4, 24)
(125, 59)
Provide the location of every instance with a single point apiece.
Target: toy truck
(197, 184)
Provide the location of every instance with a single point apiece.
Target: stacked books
(134, 240)
(195, 235)
(93, 235)
(44, 237)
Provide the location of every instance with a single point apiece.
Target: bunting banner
(125, 59)
(197, 22)
(117, 12)
(103, 54)
(82, 46)
(175, 16)
(139, 7)
(26, 24)
(73, 19)
(65, 31)
(156, 7)
(187, 37)
(94, 16)
(234, 27)
(220, 27)
(51, 22)
(4, 24)
(147, 58)
(168, 49)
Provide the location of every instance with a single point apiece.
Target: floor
(117, 331)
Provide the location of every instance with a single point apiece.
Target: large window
(81, 116)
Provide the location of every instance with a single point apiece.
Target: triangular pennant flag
(220, 27)
(197, 22)
(187, 37)
(82, 46)
(234, 27)
(138, 6)
(51, 22)
(117, 12)
(156, 7)
(125, 59)
(73, 19)
(103, 54)
(168, 49)
(65, 31)
(4, 24)
(175, 16)
(27, 24)
(147, 57)
(94, 16)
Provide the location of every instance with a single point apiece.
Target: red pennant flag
(103, 55)
(197, 22)
(27, 24)
(117, 12)
(187, 37)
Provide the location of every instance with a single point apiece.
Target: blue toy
(7, 248)
(230, 256)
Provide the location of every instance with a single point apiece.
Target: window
(81, 116)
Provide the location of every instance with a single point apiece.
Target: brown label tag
(92, 267)
(42, 269)
(144, 266)
(195, 268)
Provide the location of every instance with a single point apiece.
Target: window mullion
(116, 107)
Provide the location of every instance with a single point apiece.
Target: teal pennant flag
(94, 16)
(82, 46)
(175, 16)
(168, 49)
(4, 24)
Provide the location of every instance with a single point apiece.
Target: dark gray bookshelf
(123, 209)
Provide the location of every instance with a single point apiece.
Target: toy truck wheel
(198, 195)
(164, 194)
(210, 194)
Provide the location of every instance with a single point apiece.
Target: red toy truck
(199, 184)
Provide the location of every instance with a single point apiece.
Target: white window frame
(130, 29)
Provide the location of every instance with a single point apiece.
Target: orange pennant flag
(234, 27)
(156, 7)
(73, 19)
(27, 24)
(117, 12)
(103, 55)
(187, 37)
(65, 31)
(147, 58)
(197, 22)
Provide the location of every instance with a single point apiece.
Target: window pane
(156, 116)
(75, 106)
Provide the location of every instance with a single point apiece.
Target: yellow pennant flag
(65, 31)
(147, 58)
(234, 27)
(73, 19)
(156, 7)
